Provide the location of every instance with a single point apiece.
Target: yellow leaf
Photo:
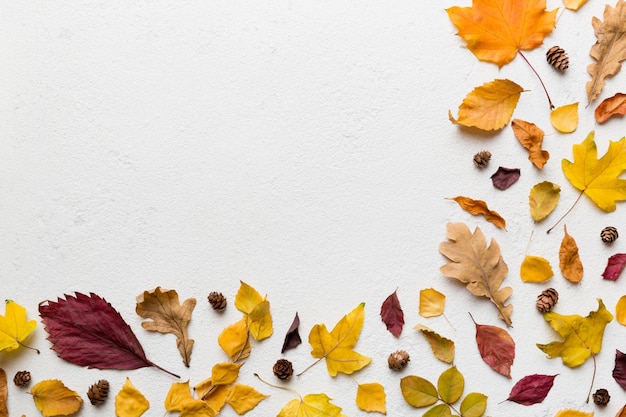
(214, 395)
(13, 326)
(312, 405)
(565, 118)
(371, 398)
(196, 408)
(598, 178)
(234, 341)
(53, 398)
(476, 207)
(129, 402)
(535, 269)
(573, 4)
(543, 199)
(495, 31)
(573, 413)
(418, 392)
(247, 298)
(490, 106)
(168, 316)
(442, 348)
(177, 395)
(582, 336)
(337, 346)
(225, 373)
(474, 405)
(432, 303)
(244, 398)
(531, 138)
(569, 260)
(260, 321)
(450, 385)
(620, 310)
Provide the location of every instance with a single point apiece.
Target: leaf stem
(163, 369)
(566, 213)
(310, 366)
(278, 386)
(28, 347)
(245, 344)
(592, 378)
(540, 80)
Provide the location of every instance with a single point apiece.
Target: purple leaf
(615, 266)
(392, 314)
(619, 371)
(505, 177)
(292, 338)
(531, 389)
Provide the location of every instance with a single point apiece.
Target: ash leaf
(614, 267)
(503, 178)
(532, 389)
(292, 338)
(392, 314)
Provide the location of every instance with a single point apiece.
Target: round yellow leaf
(129, 402)
(432, 303)
(620, 310)
(53, 398)
(371, 397)
(535, 269)
(565, 118)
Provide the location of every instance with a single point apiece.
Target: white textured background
(303, 147)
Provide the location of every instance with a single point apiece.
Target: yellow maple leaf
(53, 398)
(244, 398)
(337, 346)
(432, 303)
(535, 269)
(371, 398)
(13, 326)
(496, 30)
(234, 340)
(565, 118)
(129, 402)
(312, 405)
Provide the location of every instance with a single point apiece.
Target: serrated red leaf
(619, 371)
(88, 331)
(496, 347)
(531, 389)
(392, 314)
(292, 338)
(614, 267)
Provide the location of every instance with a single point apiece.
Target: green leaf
(451, 384)
(418, 392)
(474, 405)
(441, 410)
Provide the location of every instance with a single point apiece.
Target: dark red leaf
(87, 331)
(292, 338)
(505, 177)
(392, 314)
(496, 347)
(531, 389)
(615, 266)
(619, 371)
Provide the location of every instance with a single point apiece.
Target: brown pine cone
(283, 369)
(481, 159)
(22, 378)
(547, 299)
(217, 301)
(98, 392)
(557, 57)
(601, 397)
(609, 234)
(398, 360)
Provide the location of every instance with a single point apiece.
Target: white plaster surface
(303, 147)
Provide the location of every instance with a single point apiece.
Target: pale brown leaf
(531, 138)
(569, 260)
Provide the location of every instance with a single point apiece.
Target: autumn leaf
(168, 316)
(243, 398)
(496, 347)
(532, 389)
(234, 341)
(479, 207)
(214, 395)
(503, 178)
(256, 311)
(14, 328)
(129, 402)
(614, 267)
(496, 30)
(489, 106)
(225, 373)
(619, 370)
(450, 385)
(474, 405)
(178, 394)
(531, 138)
(573, 4)
(53, 398)
(569, 261)
(565, 118)
(196, 408)
(573, 413)
(582, 336)
(620, 310)
(392, 314)
(612, 106)
(610, 48)
(442, 348)
(535, 269)
(311, 405)
(4, 393)
(292, 338)
(543, 199)
(418, 392)
(432, 303)
(371, 398)
(478, 266)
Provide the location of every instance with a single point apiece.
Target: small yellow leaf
(234, 341)
(573, 413)
(311, 405)
(565, 118)
(225, 373)
(247, 298)
(542, 199)
(53, 398)
(573, 4)
(196, 408)
(13, 326)
(244, 398)
(371, 398)
(177, 395)
(214, 395)
(432, 303)
(260, 321)
(442, 348)
(620, 310)
(129, 402)
(569, 260)
(535, 269)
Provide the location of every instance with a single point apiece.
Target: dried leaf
(177, 395)
(256, 311)
(543, 199)
(573, 4)
(214, 395)
(612, 106)
(569, 261)
(225, 373)
(392, 314)
(432, 303)
(474, 405)
(450, 385)
(168, 316)
(311, 405)
(489, 106)
(573, 413)
(196, 408)
(234, 341)
(4, 393)
(621, 412)
(503, 178)
(440, 410)
(619, 371)
(496, 31)
(614, 266)
(609, 49)
(442, 348)
(418, 392)
(496, 347)
(481, 268)
(582, 336)
(244, 398)
(620, 310)
(535, 269)
(371, 398)
(129, 402)
(565, 118)
(531, 138)
(476, 207)
(14, 328)
(532, 389)
(53, 398)
(292, 338)
(81, 325)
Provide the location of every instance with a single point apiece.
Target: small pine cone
(22, 378)
(98, 392)
(481, 159)
(557, 57)
(601, 397)
(217, 301)
(283, 369)
(609, 234)
(547, 299)
(398, 360)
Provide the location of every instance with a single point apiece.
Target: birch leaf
(243, 398)
(535, 269)
(531, 138)
(573, 413)
(14, 328)
(614, 267)
(543, 199)
(214, 395)
(573, 4)
(234, 341)
(4, 393)
(432, 303)
(225, 373)
(371, 398)
(442, 348)
(569, 260)
(129, 402)
(53, 398)
(196, 408)
(620, 310)
(479, 207)
(612, 106)
(565, 118)
(177, 395)
(392, 314)
(311, 405)
(256, 311)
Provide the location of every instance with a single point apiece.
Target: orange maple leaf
(496, 30)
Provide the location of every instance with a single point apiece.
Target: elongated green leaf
(451, 385)
(418, 391)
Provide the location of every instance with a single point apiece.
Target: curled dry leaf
(496, 347)
(612, 106)
(532, 389)
(53, 398)
(569, 261)
(531, 138)
(432, 303)
(442, 348)
(4, 393)
(543, 199)
(565, 118)
(614, 267)
(479, 207)
(535, 269)
(129, 402)
(392, 314)
(371, 398)
(619, 370)
(503, 178)
(292, 338)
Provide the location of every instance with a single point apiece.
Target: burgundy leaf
(87, 331)
(292, 338)
(496, 347)
(392, 314)
(531, 389)
(619, 372)
(615, 266)
(505, 177)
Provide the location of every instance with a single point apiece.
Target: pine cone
(98, 392)
(557, 57)
(481, 159)
(601, 397)
(22, 378)
(547, 299)
(609, 234)
(398, 360)
(217, 301)
(283, 369)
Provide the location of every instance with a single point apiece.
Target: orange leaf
(569, 260)
(496, 30)
(612, 106)
(477, 207)
(4, 392)
(531, 138)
